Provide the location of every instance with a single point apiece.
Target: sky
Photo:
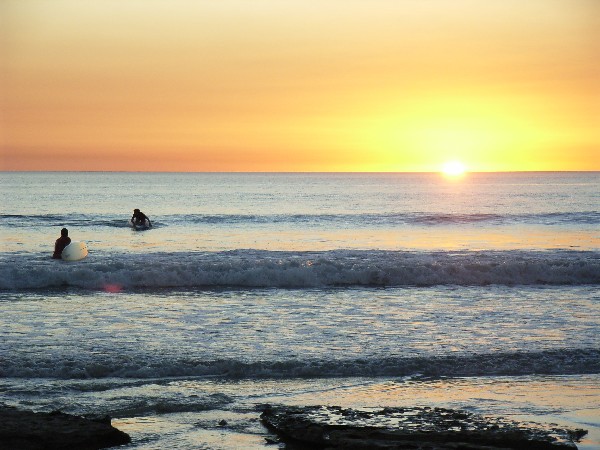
(297, 85)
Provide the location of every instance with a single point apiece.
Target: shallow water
(301, 332)
(184, 413)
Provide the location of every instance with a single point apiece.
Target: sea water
(357, 290)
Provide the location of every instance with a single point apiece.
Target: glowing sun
(453, 169)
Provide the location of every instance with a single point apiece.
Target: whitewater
(355, 290)
(256, 268)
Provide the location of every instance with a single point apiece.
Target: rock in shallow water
(26, 430)
(331, 427)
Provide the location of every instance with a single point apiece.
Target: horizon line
(295, 172)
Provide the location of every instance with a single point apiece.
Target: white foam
(250, 268)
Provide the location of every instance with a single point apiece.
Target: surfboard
(140, 226)
(75, 251)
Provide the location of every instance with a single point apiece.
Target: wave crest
(268, 269)
(546, 362)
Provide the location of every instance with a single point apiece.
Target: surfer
(139, 218)
(61, 243)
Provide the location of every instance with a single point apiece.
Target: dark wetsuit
(140, 219)
(60, 245)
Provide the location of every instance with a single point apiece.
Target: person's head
(64, 232)
(135, 211)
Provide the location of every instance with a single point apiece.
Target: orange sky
(286, 85)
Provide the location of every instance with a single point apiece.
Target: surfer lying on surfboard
(139, 218)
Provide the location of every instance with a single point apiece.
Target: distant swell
(548, 362)
(265, 269)
(358, 219)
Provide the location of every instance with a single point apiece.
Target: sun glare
(453, 169)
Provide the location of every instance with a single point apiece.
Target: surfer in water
(139, 218)
(61, 243)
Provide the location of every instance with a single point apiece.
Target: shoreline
(311, 426)
(567, 402)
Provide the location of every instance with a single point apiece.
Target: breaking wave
(271, 269)
(546, 362)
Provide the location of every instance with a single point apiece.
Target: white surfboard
(75, 251)
(140, 226)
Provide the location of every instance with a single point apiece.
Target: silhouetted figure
(61, 243)
(139, 218)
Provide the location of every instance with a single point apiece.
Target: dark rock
(26, 430)
(271, 441)
(222, 423)
(330, 427)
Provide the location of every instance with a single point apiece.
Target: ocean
(356, 290)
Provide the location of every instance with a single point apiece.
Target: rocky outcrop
(26, 430)
(330, 427)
